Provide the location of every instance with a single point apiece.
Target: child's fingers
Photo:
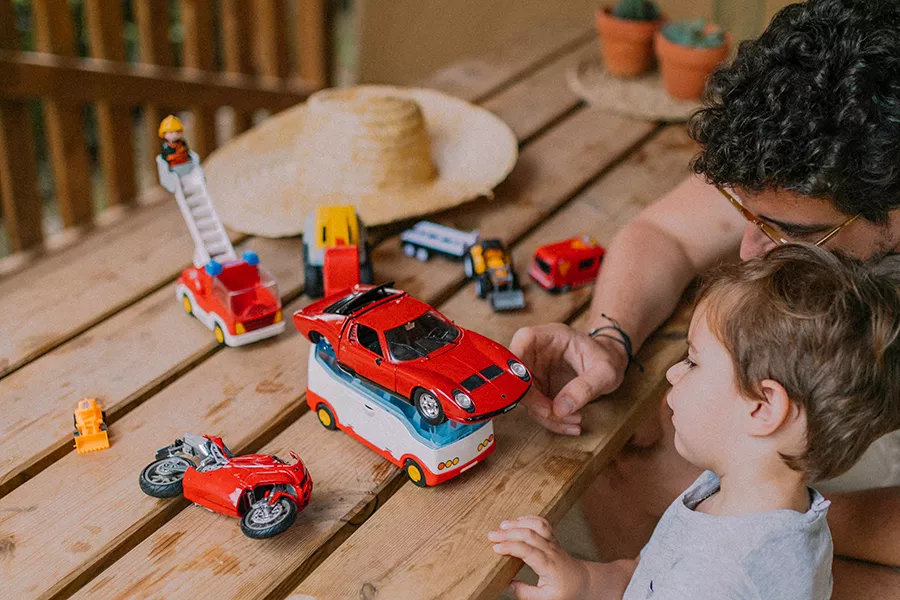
(539, 525)
(523, 591)
(533, 557)
(522, 534)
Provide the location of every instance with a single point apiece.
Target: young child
(792, 370)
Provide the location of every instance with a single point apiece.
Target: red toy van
(561, 266)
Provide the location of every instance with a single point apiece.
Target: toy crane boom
(211, 241)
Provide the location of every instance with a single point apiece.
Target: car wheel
(186, 302)
(263, 521)
(219, 333)
(482, 285)
(429, 407)
(409, 250)
(315, 337)
(163, 478)
(469, 266)
(565, 289)
(422, 254)
(415, 472)
(326, 417)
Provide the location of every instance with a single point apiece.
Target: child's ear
(767, 416)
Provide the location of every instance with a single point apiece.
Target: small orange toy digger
(90, 429)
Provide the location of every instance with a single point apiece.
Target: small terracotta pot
(685, 69)
(626, 45)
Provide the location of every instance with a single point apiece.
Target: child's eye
(690, 363)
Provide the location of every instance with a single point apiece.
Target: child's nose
(674, 373)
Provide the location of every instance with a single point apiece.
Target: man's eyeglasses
(770, 231)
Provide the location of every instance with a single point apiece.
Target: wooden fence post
(199, 53)
(18, 162)
(55, 34)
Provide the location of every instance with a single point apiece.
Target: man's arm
(865, 525)
(653, 259)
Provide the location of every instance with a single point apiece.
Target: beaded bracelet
(624, 340)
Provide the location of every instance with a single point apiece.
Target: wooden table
(100, 319)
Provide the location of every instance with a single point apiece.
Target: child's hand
(531, 539)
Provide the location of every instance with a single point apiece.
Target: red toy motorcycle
(265, 492)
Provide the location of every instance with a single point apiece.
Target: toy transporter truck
(234, 297)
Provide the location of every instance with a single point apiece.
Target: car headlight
(463, 400)
(519, 370)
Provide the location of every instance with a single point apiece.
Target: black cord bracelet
(624, 340)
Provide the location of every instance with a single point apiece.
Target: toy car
(328, 227)
(396, 342)
(90, 430)
(265, 492)
(426, 238)
(490, 265)
(389, 425)
(234, 297)
(237, 300)
(568, 264)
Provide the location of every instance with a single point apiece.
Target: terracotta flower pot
(685, 69)
(626, 45)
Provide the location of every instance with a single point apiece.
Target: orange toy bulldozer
(90, 429)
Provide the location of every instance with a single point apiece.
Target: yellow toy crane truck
(90, 428)
(489, 263)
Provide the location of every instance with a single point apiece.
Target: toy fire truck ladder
(211, 241)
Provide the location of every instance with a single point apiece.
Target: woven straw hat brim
(259, 184)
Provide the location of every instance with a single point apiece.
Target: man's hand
(562, 577)
(570, 369)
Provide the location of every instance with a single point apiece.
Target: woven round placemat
(642, 97)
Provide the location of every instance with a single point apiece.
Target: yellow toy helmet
(170, 124)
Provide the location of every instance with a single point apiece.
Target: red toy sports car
(409, 349)
(265, 492)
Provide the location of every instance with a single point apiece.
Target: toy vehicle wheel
(429, 407)
(263, 521)
(482, 285)
(422, 255)
(219, 333)
(186, 302)
(409, 250)
(515, 281)
(415, 472)
(326, 417)
(469, 266)
(313, 278)
(162, 478)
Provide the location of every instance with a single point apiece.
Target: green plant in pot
(626, 36)
(688, 51)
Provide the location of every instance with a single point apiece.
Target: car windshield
(420, 337)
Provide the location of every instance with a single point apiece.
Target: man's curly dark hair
(812, 107)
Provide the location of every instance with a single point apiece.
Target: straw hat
(392, 152)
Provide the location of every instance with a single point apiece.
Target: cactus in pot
(626, 36)
(688, 51)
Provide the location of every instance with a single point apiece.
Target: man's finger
(584, 388)
(556, 426)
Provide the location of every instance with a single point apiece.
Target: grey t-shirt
(773, 555)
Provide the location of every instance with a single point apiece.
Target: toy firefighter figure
(174, 149)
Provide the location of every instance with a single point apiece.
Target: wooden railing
(256, 72)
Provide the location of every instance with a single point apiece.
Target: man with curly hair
(800, 134)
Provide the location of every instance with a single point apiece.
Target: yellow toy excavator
(90, 429)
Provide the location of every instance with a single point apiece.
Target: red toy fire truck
(561, 266)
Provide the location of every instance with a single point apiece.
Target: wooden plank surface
(118, 277)
(104, 363)
(386, 558)
(77, 567)
(268, 572)
(55, 33)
